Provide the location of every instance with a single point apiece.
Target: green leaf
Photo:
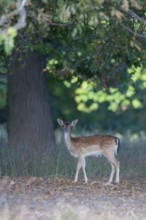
(8, 44)
(136, 103)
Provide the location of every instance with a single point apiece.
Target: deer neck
(68, 141)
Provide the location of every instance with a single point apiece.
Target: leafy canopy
(100, 45)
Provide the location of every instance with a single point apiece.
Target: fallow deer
(81, 147)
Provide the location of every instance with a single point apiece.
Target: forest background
(81, 59)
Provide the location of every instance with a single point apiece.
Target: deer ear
(74, 122)
(60, 122)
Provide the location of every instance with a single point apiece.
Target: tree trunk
(30, 128)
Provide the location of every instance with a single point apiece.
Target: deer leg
(117, 172)
(84, 171)
(112, 173)
(114, 166)
(79, 164)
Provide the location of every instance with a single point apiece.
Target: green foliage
(95, 53)
(104, 59)
(92, 47)
(7, 32)
(116, 99)
(7, 40)
(3, 82)
(3, 93)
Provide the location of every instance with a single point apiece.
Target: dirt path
(61, 199)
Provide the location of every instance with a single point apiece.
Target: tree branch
(21, 22)
(136, 17)
(130, 30)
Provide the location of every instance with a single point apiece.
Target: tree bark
(30, 129)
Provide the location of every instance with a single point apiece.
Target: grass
(132, 158)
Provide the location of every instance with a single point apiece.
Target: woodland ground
(61, 199)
